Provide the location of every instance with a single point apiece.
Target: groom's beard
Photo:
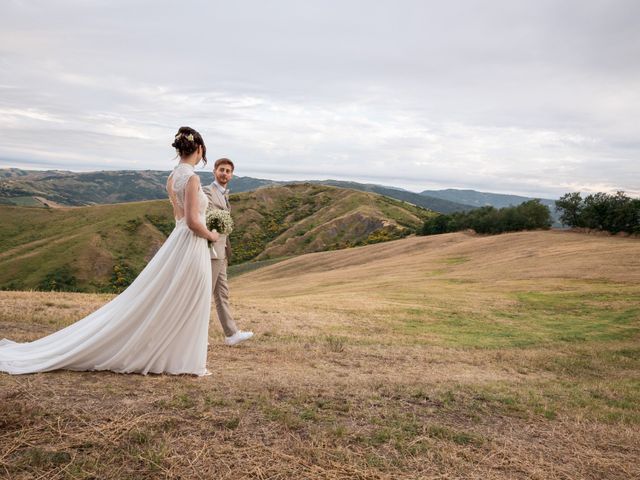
(220, 182)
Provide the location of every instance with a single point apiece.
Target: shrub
(164, 224)
(123, 275)
(61, 279)
(132, 225)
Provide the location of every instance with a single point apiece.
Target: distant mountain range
(426, 201)
(481, 199)
(78, 248)
(59, 188)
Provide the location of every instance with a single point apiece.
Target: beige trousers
(221, 295)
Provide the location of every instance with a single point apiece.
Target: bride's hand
(214, 236)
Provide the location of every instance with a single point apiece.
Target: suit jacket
(217, 200)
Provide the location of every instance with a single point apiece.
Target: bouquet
(219, 221)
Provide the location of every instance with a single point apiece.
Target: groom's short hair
(223, 161)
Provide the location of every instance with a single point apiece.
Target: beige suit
(219, 262)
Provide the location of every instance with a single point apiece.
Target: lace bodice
(176, 187)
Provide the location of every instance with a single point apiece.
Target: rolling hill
(437, 204)
(404, 274)
(56, 187)
(458, 356)
(301, 218)
(79, 247)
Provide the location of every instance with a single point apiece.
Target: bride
(159, 324)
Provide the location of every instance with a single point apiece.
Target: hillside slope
(78, 247)
(453, 356)
(301, 218)
(403, 267)
(81, 243)
(508, 290)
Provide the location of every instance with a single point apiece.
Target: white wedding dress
(159, 324)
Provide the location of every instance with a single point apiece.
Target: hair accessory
(189, 137)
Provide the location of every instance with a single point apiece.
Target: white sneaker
(237, 338)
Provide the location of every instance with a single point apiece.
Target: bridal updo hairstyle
(186, 142)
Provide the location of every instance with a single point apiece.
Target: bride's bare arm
(191, 210)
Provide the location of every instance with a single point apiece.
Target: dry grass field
(454, 356)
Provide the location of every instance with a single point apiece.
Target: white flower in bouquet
(220, 221)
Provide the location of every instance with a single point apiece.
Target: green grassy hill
(282, 221)
(103, 247)
(82, 243)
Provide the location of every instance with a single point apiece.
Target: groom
(218, 195)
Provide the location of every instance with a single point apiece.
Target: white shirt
(222, 189)
(224, 192)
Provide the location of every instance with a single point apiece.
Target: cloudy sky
(529, 97)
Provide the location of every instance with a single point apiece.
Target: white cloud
(534, 98)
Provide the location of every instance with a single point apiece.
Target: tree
(623, 213)
(526, 216)
(533, 214)
(570, 208)
(601, 211)
(436, 225)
